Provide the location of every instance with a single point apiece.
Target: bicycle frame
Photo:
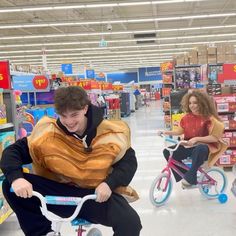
(173, 164)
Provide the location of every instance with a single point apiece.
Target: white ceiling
(70, 31)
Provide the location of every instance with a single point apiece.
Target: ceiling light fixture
(81, 6)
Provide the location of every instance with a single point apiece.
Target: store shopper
(75, 155)
(202, 129)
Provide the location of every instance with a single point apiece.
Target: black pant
(115, 213)
(198, 154)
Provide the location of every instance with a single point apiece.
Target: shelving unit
(226, 107)
(12, 125)
(167, 70)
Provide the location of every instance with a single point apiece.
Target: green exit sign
(103, 43)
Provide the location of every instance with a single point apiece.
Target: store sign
(229, 71)
(67, 69)
(117, 87)
(27, 83)
(107, 86)
(90, 74)
(149, 74)
(40, 82)
(5, 79)
(103, 43)
(167, 66)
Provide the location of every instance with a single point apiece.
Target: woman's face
(75, 121)
(193, 105)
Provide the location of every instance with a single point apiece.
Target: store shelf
(6, 126)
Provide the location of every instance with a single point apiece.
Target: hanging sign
(5, 79)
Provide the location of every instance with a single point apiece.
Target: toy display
(187, 77)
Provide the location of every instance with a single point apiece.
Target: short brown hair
(70, 98)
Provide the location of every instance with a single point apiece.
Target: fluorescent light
(91, 42)
(81, 6)
(137, 20)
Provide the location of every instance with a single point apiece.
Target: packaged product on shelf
(5, 209)
(1, 96)
(6, 139)
(3, 114)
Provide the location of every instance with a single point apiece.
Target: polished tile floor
(187, 212)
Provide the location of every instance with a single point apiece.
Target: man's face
(75, 120)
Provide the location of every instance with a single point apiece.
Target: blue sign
(66, 68)
(90, 74)
(24, 83)
(149, 74)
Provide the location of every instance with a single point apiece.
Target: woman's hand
(192, 141)
(103, 192)
(22, 188)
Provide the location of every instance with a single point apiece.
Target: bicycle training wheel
(158, 194)
(212, 191)
(94, 232)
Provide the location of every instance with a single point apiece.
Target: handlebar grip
(171, 140)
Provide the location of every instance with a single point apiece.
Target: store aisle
(186, 213)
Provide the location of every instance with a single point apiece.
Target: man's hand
(103, 192)
(22, 188)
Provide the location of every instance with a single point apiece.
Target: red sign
(117, 87)
(5, 79)
(229, 71)
(167, 66)
(107, 86)
(40, 82)
(94, 84)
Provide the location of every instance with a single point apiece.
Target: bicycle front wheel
(158, 194)
(94, 232)
(209, 190)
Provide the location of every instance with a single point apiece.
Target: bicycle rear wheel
(158, 196)
(211, 191)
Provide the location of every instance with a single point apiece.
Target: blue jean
(198, 154)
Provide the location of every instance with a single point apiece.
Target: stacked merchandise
(221, 53)
(226, 107)
(214, 89)
(3, 115)
(187, 77)
(167, 70)
(34, 114)
(175, 108)
(125, 104)
(113, 107)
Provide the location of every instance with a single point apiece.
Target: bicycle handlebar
(61, 200)
(171, 140)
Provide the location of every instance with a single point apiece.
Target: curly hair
(205, 102)
(70, 98)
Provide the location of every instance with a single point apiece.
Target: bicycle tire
(221, 186)
(154, 191)
(94, 232)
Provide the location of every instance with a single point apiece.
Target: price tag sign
(229, 71)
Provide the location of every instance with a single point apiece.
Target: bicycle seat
(80, 222)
